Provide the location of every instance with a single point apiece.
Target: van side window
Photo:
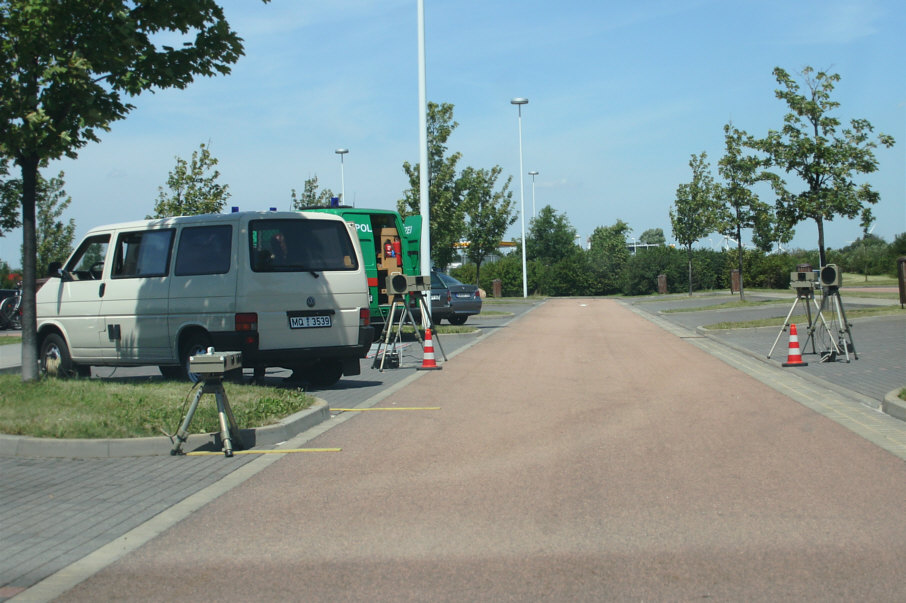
(142, 253)
(300, 245)
(87, 262)
(204, 250)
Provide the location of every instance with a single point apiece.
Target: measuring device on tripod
(828, 280)
(402, 287)
(210, 368)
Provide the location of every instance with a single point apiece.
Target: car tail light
(449, 297)
(247, 321)
(365, 316)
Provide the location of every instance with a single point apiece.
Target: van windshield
(300, 245)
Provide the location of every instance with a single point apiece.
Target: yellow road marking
(394, 408)
(205, 452)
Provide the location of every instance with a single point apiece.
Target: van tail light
(247, 322)
(364, 316)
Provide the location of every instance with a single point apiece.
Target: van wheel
(55, 358)
(171, 372)
(195, 343)
(324, 373)
(458, 320)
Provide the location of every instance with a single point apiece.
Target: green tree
(311, 197)
(488, 212)
(551, 238)
(768, 228)
(827, 161)
(54, 236)
(653, 236)
(866, 255)
(741, 206)
(696, 211)
(65, 68)
(608, 256)
(10, 196)
(447, 219)
(192, 188)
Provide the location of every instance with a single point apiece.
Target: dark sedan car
(453, 300)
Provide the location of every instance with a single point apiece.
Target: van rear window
(300, 245)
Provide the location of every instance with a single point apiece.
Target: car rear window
(282, 245)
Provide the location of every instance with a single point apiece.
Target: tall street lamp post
(533, 173)
(519, 101)
(342, 152)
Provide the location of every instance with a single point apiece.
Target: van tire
(55, 358)
(194, 343)
(324, 373)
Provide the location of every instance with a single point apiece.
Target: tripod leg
(786, 323)
(847, 328)
(183, 433)
(808, 312)
(224, 407)
(436, 336)
(225, 437)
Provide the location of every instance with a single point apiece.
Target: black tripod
(843, 338)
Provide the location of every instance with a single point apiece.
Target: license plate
(463, 295)
(435, 298)
(308, 322)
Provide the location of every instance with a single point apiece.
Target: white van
(286, 289)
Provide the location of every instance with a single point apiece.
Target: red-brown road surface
(581, 454)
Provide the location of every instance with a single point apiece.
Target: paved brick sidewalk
(55, 511)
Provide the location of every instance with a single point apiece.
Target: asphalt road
(581, 454)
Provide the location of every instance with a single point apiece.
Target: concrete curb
(894, 406)
(270, 435)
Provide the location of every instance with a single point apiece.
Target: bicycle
(11, 310)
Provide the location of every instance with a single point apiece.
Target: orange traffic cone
(795, 356)
(428, 363)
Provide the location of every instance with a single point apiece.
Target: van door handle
(101, 289)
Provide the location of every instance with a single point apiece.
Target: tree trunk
(822, 259)
(742, 295)
(29, 167)
(689, 254)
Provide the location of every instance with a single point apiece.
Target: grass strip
(802, 318)
(95, 408)
(730, 304)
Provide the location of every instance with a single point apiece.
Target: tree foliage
(488, 212)
(444, 191)
(551, 238)
(741, 207)
(608, 256)
(311, 196)
(696, 211)
(811, 147)
(66, 69)
(10, 198)
(653, 236)
(192, 188)
(54, 236)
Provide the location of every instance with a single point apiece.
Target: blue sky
(620, 95)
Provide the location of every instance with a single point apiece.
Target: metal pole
(423, 173)
(533, 173)
(519, 102)
(342, 152)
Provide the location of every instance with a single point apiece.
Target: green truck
(390, 244)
